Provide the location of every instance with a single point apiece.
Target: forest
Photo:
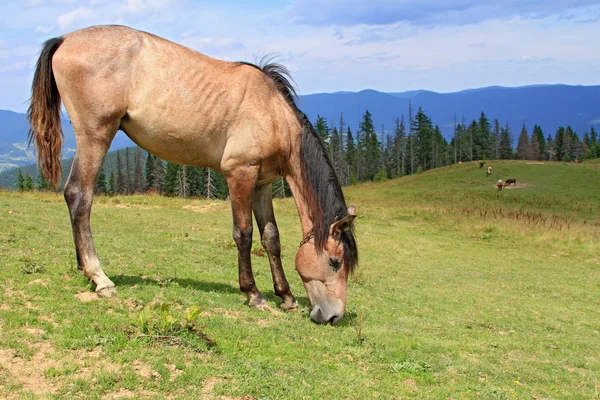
(414, 145)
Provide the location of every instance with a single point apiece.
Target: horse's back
(175, 102)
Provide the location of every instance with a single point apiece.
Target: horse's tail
(44, 115)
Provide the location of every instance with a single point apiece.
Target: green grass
(450, 301)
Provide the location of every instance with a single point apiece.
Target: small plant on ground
(169, 329)
(31, 266)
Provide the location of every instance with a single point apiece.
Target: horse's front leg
(269, 237)
(241, 184)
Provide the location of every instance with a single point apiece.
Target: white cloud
(424, 68)
(2, 43)
(44, 28)
(66, 20)
(31, 3)
(212, 45)
(143, 6)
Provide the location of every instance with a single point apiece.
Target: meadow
(462, 291)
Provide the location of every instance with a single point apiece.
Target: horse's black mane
(322, 189)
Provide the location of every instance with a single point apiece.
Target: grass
(462, 292)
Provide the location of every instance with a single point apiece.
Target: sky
(337, 45)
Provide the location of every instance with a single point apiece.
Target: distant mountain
(14, 149)
(549, 106)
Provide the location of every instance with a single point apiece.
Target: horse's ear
(343, 224)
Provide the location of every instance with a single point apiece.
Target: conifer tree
(400, 145)
(112, 187)
(496, 139)
(101, 183)
(28, 185)
(195, 181)
(121, 184)
(138, 174)
(20, 181)
(537, 130)
(149, 171)
(42, 184)
(322, 130)
(535, 146)
(559, 139)
(171, 179)
(159, 176)
(505, 150)
(523, 145)
(350, 150)
(371, 146)
(127, 173)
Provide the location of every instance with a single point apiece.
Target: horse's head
(325, 273)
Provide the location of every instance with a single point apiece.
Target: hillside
(462, 291)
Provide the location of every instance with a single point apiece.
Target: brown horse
(511, 180)
(188, 108)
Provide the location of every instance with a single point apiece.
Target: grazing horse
(499, 185)
(509, 181)
(489, 171)
(481, 163)
(188, 108)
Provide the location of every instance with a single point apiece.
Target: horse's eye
(335, 263)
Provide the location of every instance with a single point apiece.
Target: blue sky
(332, 45)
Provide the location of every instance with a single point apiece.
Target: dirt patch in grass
(85, 297)
(31, 373)
(519, 185)
(200, 208)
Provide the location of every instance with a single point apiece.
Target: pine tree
(159, 176)
(112, 187)
(182, 182)
(322, 130)
(350, 150)
(505, 145)
(400, 145)
(496, 139)
(567, 146)
(372, 148)
(559, 140)
(537, 130)
(42, 184)
(20, 181)
(195, 179)
(28, 185)
(127, 173)
(535, 146)
(523, 145)
(138, 174)
(171, 178)
(149, 172)
(483, 143)
(101, 183)
(121, 184)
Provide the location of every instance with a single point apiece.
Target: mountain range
(549, 106)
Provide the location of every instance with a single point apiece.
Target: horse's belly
(181, 143)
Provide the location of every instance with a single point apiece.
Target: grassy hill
(462, 292)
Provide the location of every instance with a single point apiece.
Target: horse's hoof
(258, 303)
(289, 305)
(108, 291)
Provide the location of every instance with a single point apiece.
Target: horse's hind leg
(269, 234)
(92, 145)
(241, 184)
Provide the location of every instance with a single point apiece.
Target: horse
(481, 163)
(499, 185)
(489, 171)
(185, 107)
(512, 180)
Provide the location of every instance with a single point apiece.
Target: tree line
(414, 145)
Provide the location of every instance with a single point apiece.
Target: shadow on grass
(204, 286)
